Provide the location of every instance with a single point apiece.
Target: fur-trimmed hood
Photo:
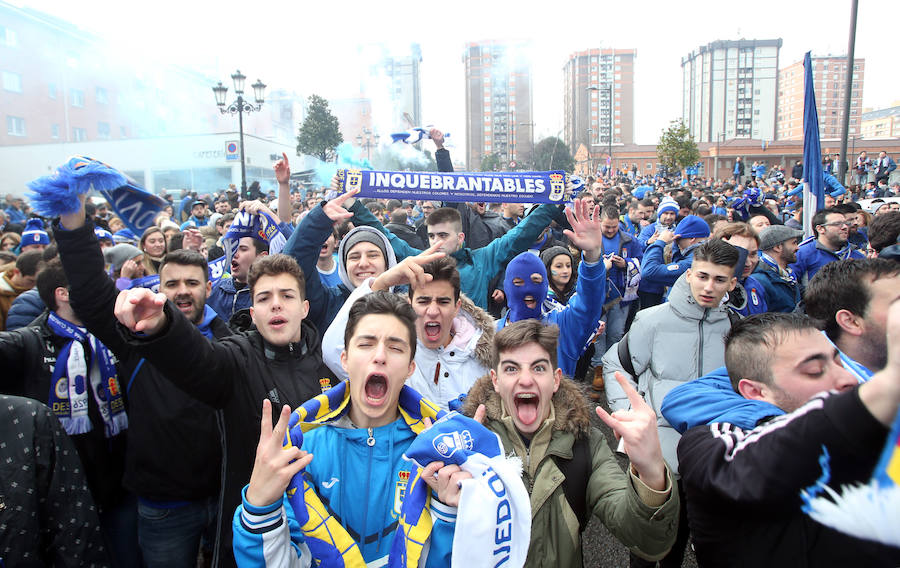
(573, 413)
(485, 322)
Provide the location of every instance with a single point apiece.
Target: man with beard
(830, 244)
(852, 298)
(778, 249)
(173, 456)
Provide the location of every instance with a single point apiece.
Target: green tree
(320, 132)
(491, 163)
(676, 148)
(551, 153)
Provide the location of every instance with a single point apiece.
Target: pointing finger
(633, 396)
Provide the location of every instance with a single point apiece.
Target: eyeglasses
(837, 224)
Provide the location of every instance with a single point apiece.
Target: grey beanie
(117, 255)
(775, 235)
(355, 237)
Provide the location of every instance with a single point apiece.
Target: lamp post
(719, 136)
(239, 107)
(368, 145)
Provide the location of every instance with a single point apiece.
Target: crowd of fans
(687, 314)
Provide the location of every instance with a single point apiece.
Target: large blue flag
(814, 187)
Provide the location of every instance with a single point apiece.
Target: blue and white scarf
(74, 373)
(260, 226)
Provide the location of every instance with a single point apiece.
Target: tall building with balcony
(829, 82)
(599, 98)
(499, 116)
(730, 90)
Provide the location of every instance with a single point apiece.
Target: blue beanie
(667, 204)
(102, 233)
(34, 233)
(692, 227)
(125, 236)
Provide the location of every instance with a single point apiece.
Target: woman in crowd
(153, 244)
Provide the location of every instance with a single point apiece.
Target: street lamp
(608, 89)
(239, 107)
(368, 145)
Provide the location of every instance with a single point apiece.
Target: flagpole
(848, 91)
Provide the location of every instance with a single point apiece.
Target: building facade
(882, 123)
(829, 81)
(499, 117)
(599, 98)
(730, 90)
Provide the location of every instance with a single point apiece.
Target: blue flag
(814, 192)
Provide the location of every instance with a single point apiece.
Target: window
(54, 131)
(51, 91)
(12, 82)
(103, 99)
(103, 129)
(77, 98)
(79, 134)
(15, 126)
(8, 37)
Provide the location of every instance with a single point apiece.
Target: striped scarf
(329, 542)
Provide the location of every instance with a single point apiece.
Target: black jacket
(743, 488)
(46, 512)
(408, 234)
(28, 357)
(236, 374)
(174, 451)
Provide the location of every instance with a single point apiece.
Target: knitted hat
(118, 254)
(692, 227)
(355, 237)
(667, 204)
(777, 234)
(102, 233)
(34, 233)
(125, 236)
(548, 254)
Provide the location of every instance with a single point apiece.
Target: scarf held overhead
(329, 542)
(261, 226)
(500, 187)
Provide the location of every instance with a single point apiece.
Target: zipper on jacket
(700, 353)
(370, 441)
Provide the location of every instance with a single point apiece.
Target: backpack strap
(577, 471)
(624, 353)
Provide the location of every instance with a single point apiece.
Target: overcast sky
(314, 47)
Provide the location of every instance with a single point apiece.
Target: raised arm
(283, 175)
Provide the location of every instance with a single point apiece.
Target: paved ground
(602, 549)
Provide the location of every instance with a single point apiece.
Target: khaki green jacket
(611, 495)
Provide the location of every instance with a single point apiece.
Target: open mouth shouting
(432, 331)
(376, 389)
(185, 304)
(527, 407)
(277, 323)
(530, 302)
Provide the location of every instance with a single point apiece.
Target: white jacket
(441, 374)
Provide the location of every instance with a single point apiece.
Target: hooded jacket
(669, 344)
(24, 310)
(441, 374)
(578, 319)
(612, 496)
(782, 294)
(305, 244)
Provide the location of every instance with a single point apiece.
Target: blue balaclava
(524, 266)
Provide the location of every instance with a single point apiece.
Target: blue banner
(812, 152)
(501, 187)
(260, 226)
